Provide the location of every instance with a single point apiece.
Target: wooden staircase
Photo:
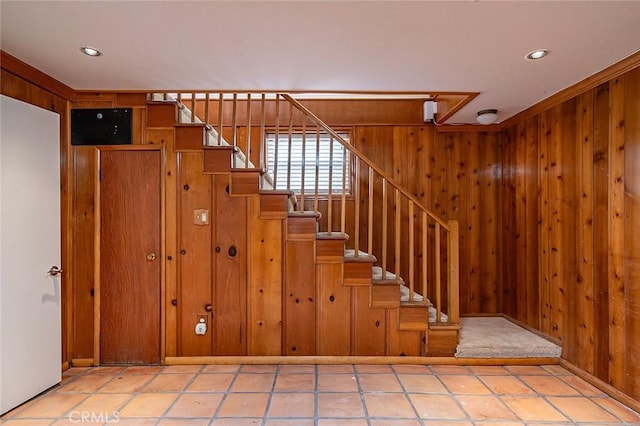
(302, 292)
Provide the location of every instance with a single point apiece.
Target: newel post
(453, 259)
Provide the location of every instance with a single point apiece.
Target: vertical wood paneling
(601, 229)
(476, 245)
(587, 247)
(632, 227)
(531, 234)
(582, 331)
(616, 243)
(334, 311)
(264, 312)
(194, 244)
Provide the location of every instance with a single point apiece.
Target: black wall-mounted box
(104, 126)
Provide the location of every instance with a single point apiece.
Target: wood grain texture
(129, 279)
(587, 246)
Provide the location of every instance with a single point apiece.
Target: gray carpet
(497, 337)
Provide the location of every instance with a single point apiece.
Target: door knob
(151, 256)
(54, 271)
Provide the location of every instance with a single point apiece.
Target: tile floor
(300, 395)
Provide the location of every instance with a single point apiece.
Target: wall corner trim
(35, 76)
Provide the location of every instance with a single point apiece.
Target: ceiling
(394, 46)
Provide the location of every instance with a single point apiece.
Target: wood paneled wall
(571, 228)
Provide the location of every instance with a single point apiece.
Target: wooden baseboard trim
(65, 366)
(82, 362)
(328, 360)
(603, 386)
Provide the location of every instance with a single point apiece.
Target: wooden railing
(354, 195)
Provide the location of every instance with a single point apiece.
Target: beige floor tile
(253, 382)
(389, 405)
(74, 371)
(195, 405)
(86, 383)
(295, 382)
(134, 422)
(485, 407)
(244, 405)
(340, 405)
(533, 408)
(335, 369)
(437, 407)
(221, 369)
(51, 405)
(148, 405)
(374, 369)
(419, 383)
(464, 385)
(489, 370)
(581, 409)
(76, 417)
(379, 382)
(506, 385)
(103, 403)
(619, 410)
(292, 405)
(26, 422)
(211, 383)
(412, 369)
(169, 382)
(337, 383)
(449, 369)
(297, 369)
(549, 385)
(127, 384)
(447, 423)
(501, 423)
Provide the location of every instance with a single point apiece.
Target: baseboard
(602, 385)
(82, 362)
(65, 366)
(329, 360)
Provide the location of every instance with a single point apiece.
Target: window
(291, 158)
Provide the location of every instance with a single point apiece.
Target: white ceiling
(470, 46)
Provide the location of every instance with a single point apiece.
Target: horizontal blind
(308, 157)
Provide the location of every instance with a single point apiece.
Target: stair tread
(332, 236)
(350, 256)
(305, 213)
(189, 125)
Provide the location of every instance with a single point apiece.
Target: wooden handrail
(355, 151)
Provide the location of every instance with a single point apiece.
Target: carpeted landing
(497, 337)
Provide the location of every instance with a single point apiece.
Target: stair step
(274, 204)
(386, 295)
(162, 113)
(389, 277)
(302, 225)
(217, 159)
(357, 269)
(413, 316)
(189, 136)
(330, 247)
(244, 182)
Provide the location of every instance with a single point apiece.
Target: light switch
(201, 217)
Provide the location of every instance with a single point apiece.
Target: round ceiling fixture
(537, 54)
(487, 116)
(90, 51)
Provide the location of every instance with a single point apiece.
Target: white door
(30, 324)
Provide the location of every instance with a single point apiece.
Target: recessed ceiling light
(90, 51)
(537, 54)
